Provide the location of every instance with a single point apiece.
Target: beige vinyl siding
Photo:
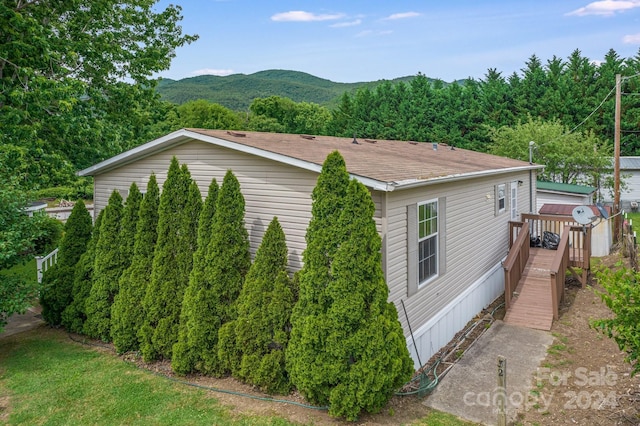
(476, 240)
(269, 188)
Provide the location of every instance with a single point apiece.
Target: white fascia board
(138, 152)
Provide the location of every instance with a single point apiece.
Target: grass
(635, 217)
(52, 381)
(26, 270)
(45, 378)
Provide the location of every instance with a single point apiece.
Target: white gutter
(414, 183)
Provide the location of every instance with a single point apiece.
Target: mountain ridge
(237, 91)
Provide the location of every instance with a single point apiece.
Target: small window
(502, 197)
(427, 241)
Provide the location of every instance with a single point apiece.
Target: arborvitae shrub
(126, 313)
(367, 354)
(74, 315)
(253, 345)
(129, 224)
(347, 349)
(191, 330)
(226, 265)
(56, 293)
(305, 362)
(106, 272)
(169, 277)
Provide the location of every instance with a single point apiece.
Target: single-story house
(563, 193)
(442, 212)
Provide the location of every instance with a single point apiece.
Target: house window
(427, 241)
(513, 201)
(501, 197)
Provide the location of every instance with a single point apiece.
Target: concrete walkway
(27, 321)
(469, 390)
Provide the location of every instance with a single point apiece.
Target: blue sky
(359, 40)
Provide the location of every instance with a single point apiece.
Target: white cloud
(605, 7)
(631, 38)
(211, 71)
(347, 24)
(302, 16)
(403, 15)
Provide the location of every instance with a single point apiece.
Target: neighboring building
(563, 193)
(442, 213)
(35, 206)
(630, 190)
(601, 233)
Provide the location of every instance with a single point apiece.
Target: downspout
(531, 143)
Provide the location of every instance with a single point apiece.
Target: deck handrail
(515, 263)
(45, 262)
(559, 272)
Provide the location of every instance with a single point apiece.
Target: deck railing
(516, 260)
(579, 239)
(45, 262)
(559, 272)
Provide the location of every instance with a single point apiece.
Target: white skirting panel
(442, 327)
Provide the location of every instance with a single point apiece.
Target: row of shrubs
(171, 277)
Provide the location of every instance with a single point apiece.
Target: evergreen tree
(366, 357)
(254, 344)
(227, 263)
(106, 272)
(169, 276)
(190, 330)
(306, 350)
(129, 224)
(57, 285)
(75, 315)
(126, 314)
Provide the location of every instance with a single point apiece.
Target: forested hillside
(237, 91)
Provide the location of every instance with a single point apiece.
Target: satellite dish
(603, 211)
(583, 215)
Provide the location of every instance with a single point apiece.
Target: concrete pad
(22, 322)
(470, 388)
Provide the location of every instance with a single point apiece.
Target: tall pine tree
(191, 329)
(169, 277)
(75, 315)
(126, 312)
(57, 284)
(106, 272)
(254, 344)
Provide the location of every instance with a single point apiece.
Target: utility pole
(616, 165)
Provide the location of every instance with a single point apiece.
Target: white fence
(45, 262)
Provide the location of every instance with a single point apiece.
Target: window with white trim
(427, 241)
(513, 201)
(501, 198)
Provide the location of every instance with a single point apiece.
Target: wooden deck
(531, 305)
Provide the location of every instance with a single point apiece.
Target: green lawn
(635, 218)
(46, 378)
(26, 270)
(53, 381)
